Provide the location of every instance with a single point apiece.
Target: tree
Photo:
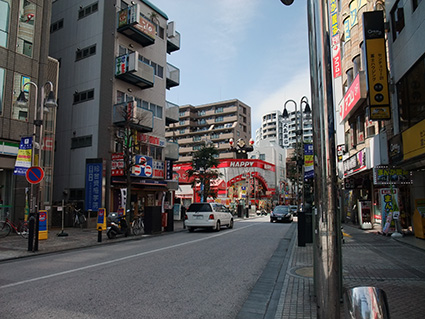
(127, 123)
(204, 162)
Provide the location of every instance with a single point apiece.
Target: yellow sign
(380, 112)
(414, 140)
(101, 219)
(377, 74)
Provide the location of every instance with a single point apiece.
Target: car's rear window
(282, 209)
(199, 207)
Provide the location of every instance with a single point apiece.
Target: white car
(208, 215)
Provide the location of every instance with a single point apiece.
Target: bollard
(31, 224)
(99, 235)
(366, 302)
(37, 227)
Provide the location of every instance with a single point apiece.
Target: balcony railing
(173, 76)
(128, 68)
(135, 117)
(171, 113)
(136, 27)
(173, 42)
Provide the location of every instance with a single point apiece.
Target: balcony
(173, 39)
(129, 69)
(138, 118)
(136, 27)
(173, 76)
(171, 113)
(171, 150)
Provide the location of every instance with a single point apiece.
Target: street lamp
(45, 104)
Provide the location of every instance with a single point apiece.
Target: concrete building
(275, 127)
(270, 151)
(24, 43)
(216, 122)
(271, 127)
(113, 57)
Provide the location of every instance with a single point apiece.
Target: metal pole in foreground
(327, 264)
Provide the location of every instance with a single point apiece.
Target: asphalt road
(183, 275)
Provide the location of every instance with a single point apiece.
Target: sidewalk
(396, 265)
(14, 246)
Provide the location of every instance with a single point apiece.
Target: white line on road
(120, 259)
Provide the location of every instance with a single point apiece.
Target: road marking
(120, 259)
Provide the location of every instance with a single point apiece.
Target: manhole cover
(306, 272)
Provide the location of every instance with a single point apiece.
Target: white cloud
(294, 89)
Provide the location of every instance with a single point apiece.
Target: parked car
(208, 215)
(281, 213)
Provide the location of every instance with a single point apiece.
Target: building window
(397, 19)
(357, 66)
(411, 97)
(80, 97)
(219, 119)
(81, 141)
(4, 22)
(85, 53)
(55, 26)
(26, 25)
(262, 157)
(360, 129)
(20, 112)
(86, 11)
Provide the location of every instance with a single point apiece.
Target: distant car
(294, 209)
(281, 213)
(208, 215)
(261, 212)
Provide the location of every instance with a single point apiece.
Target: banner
(23, 160)
(389, 208)
(308, 161)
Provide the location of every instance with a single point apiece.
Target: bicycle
(79, 218)
(137, 226)
(7, 225)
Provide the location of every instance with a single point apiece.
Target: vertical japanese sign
(376, 66)
(23, 160)
(335, 39)
(389, 208)
(94, 187)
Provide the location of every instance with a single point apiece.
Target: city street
(187, 275)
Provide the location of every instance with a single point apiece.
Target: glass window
(20, 112)
(2, 73)
(4, 22)
(26, 25)
(397, 19)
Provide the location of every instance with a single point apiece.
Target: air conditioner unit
(171, 29)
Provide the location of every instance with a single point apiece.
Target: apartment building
(214, 122)
(24, 43)
(113, 57)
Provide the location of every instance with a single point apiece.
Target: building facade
(114, 77)
(382, 116)
(216, 122)
(24, 43)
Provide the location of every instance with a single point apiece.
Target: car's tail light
(185, 216)
(211, 216)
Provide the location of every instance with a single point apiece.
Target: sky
(255, 51)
